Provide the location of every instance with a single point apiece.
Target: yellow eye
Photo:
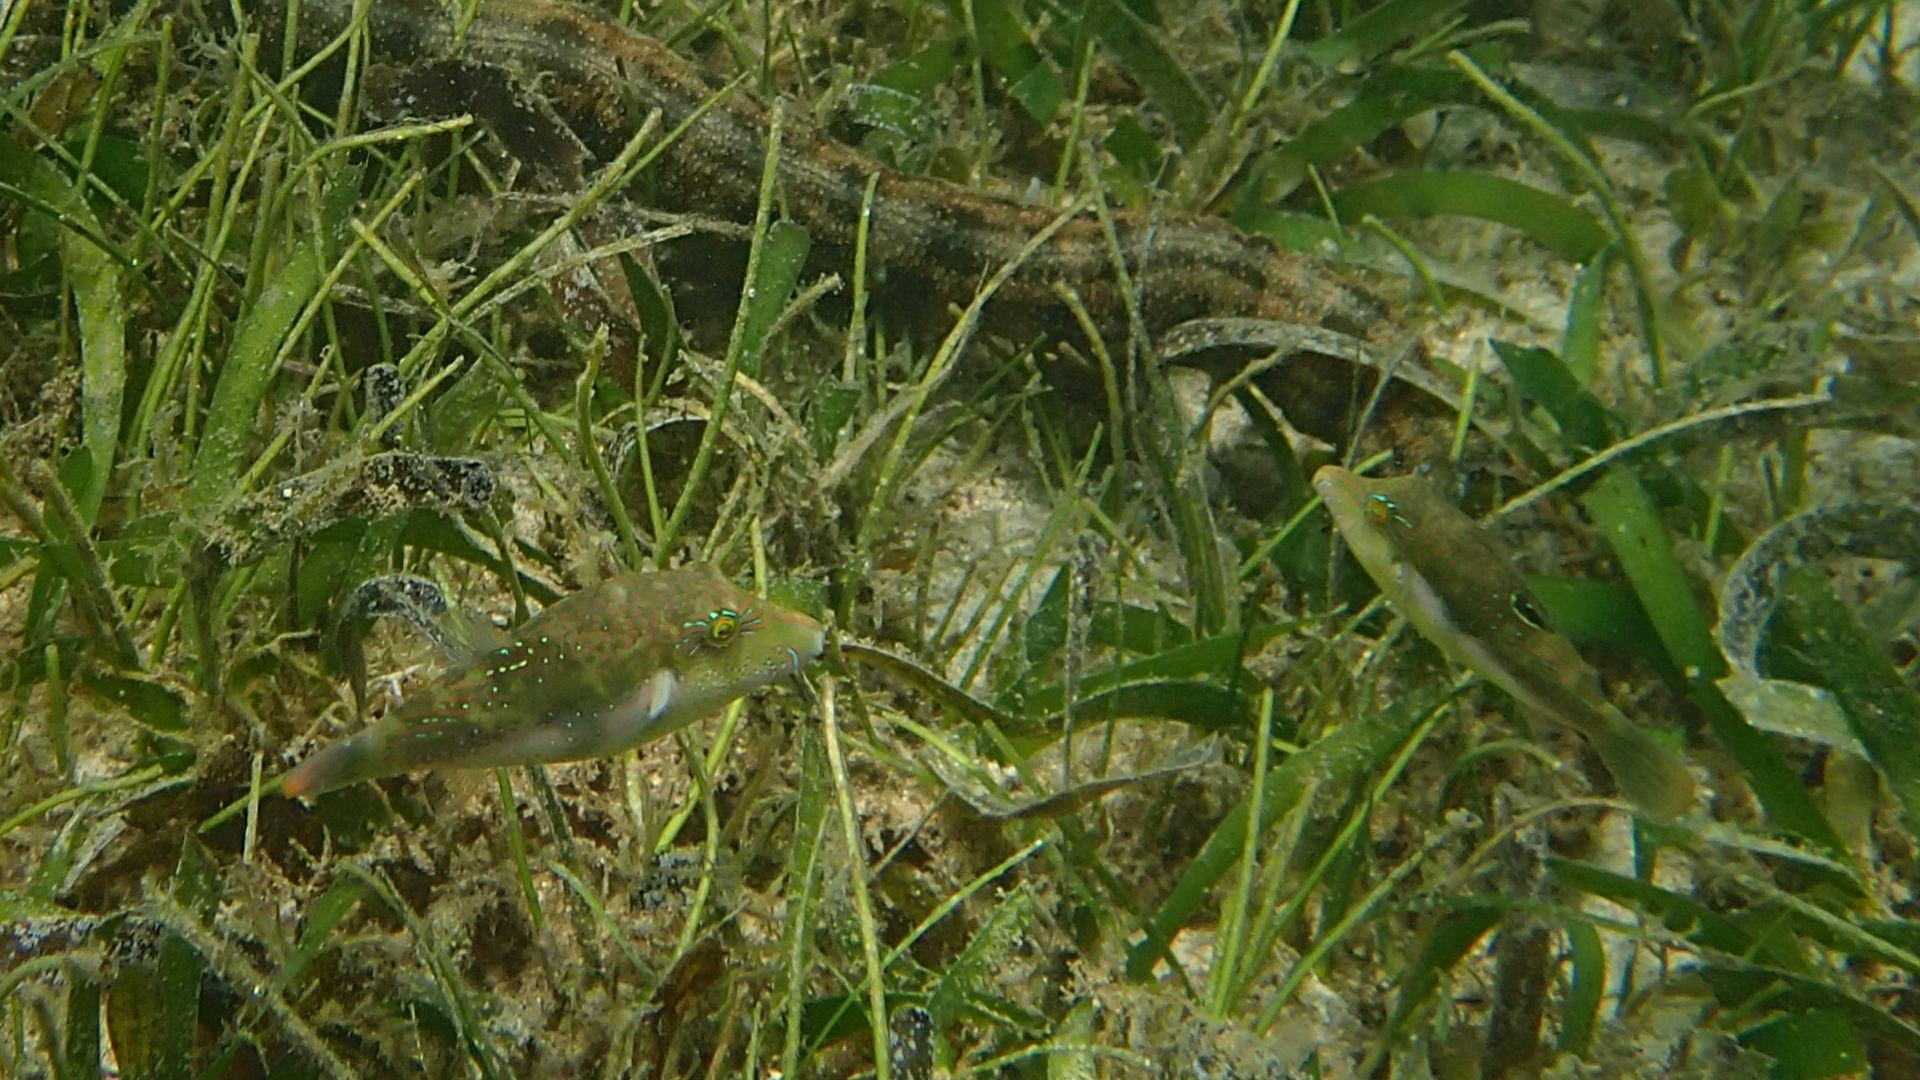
(1379, 509)
(721, 628)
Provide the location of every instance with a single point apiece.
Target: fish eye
(1530, 612)
(1379, 509)
(1383, 513)
(722, 626)
(719, 629)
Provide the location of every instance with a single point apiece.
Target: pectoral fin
(636, 717)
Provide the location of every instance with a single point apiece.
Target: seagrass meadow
(367, 367)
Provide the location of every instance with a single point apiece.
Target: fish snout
(804, 636)
(1331, 480)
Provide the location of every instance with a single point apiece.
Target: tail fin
(348, 761)
(1651, 776)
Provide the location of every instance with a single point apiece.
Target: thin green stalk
(1109, 371)
(1717, 501)
(703, 768)
(1234, 914)
(1167, 449)
(183, 345)
(656, 518)
(862, 902)
(1057, 522)
(1819, 398)
(418, 394)
(226, 210)
(612, 927)
(1312, 956)
(618, 173)
(1602, 187)
(503, 547)
(977, 83)
(1428, 284)
(517, 845)
(16, 15)
(938, 369)
(1250, 566)
(695, 923)
(346, 144)
(590, 450)
(473, 1034)
(57, 711)
(73, 794)
(1221, 139)
(736, 350)
(16, 500)
(802, 892)
(1464, 422)
(96, 586)
(251, 841)
(453, 324)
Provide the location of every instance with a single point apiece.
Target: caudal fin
(345, 762)
(1651, 776)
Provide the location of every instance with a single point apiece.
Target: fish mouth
(1332, 480)
(1340, 490)
(811, 646)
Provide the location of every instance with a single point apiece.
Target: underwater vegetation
(991, 538)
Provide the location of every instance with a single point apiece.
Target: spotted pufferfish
(614, 665)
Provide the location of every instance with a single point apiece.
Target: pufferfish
(1460, 587)
(614, 665)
